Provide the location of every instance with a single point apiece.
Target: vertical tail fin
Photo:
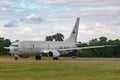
(73, 36)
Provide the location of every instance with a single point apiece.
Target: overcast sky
(36, 19)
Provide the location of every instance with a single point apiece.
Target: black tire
(16, 58)
(55, 58)
(38, 57)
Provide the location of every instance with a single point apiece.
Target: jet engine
(54, 54)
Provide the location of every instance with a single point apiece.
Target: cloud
(27, 29)
(98, 18)
(36, 38)
(79, 3)
(30, 19)
(7, 5)
(3, 9)
(97, 29)
(48, 5)
(117, 23)
(11, 24)
(33, 18)
(102, 29)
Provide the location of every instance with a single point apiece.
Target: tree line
(4, 43)
(113, 51)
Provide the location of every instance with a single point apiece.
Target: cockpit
(14, 45)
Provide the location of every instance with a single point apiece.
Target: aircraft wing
(82, 48)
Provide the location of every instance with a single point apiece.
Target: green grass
(56, 70)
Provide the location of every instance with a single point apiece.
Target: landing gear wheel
(38, 57)
(55, 58)
(16, 58)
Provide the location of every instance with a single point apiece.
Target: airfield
(63, 69)
(63, 60)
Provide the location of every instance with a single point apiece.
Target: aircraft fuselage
(36, 47)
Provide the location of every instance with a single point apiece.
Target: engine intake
(50, 54)
(53, 54)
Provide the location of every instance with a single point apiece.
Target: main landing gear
(38, 57)
(56, 58)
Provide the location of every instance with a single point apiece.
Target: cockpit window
(14, 45)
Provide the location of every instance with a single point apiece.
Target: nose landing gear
(16, 57)
(38, 57)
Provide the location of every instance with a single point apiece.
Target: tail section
(73, 36)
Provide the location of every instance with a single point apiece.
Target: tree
(56, 37)
(82, 44)
(86, 53)
(4, 43)
(49, 38)
(93, 40)
(103, 39)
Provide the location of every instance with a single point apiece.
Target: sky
(36, 19)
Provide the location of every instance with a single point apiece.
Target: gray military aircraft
(52, 49)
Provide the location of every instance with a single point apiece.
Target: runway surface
(63, 60)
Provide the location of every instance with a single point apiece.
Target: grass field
(59, 70)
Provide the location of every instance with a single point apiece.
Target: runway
(62, 60)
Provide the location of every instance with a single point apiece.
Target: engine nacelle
(53, 54)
